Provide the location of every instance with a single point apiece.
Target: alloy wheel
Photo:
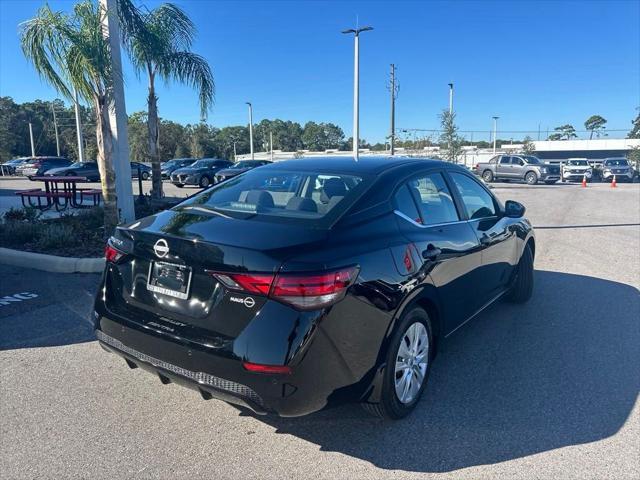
(411, 362)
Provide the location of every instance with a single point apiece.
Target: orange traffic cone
(584, 181)
(614, 184)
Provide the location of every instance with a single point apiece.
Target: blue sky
(532, 63)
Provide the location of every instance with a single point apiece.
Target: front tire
(145, 175)
(204, 181)
(408, 363)
(531, 178)
(523, 285)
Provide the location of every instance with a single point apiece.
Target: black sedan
(144, 170)
(338, 288)
(168, 167)
(201, 173)
(238, 168)
(89, 170)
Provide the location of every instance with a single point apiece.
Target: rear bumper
(209, 386)
(216, 371)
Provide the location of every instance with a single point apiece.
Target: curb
(51, 263)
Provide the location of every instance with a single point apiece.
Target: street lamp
(450, 98)
(356, 88)
(495, 131)
(250, 128)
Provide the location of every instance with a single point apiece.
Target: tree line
(174, 139)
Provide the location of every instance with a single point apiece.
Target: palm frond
(191, 69)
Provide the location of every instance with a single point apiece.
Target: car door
(445, 247)
(517, 167)
(504, 167)
(498, 241)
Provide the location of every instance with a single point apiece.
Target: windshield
(578, 163)
(282, 196)
(244, 164)
(203, 164)
(617, 162)
(532, 160)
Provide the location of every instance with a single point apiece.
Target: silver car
(617, 167)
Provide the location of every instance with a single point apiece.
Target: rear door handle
(431, 253)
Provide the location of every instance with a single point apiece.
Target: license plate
(169, 279)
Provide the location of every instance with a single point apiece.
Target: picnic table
(59, 192)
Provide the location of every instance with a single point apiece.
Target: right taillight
(304, 291)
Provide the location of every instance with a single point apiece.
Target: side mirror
(513, 209)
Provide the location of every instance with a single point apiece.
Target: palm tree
(69, 52)
(162, 48)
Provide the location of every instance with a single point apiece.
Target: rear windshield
(618, 162)
(310, 198)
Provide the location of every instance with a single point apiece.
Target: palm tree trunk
(104, 139)
(152, 124)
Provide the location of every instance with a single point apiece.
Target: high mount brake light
(304, 291)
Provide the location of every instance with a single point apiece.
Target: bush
(77, 235)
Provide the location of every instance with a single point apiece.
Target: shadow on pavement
(562, 370)
(58, 314)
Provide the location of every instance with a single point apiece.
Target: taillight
(304, 291)
(111, 254)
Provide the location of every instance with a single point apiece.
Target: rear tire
(487, 176)
(523, 285)
(145, 175)
(408, 363)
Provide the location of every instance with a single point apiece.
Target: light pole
(450, 98)
(495, 132)
(250, 128)
(76, 106)
(356, 88)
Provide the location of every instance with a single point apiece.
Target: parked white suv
(575, 169)
(618, 167)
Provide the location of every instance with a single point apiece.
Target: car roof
(369, 164)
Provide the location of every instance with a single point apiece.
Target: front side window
(478, 203)
(435, 203)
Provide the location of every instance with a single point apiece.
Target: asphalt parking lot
(544, 390)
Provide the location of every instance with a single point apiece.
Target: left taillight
(303, 291)
(112, 254)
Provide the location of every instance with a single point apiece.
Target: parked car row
(207, 171)
(60, 166)
(576, 169)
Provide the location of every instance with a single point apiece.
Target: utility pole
(250, 128)
(235, 155)
(356, 88)
(450, 98)
(394, 92)
(271, 143)
(33, 148)
(495, 131)
(55, 127)
(78, 127)
(118, 115)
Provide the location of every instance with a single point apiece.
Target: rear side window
(297, 197)
(406, 204)
(505, 161)
(478, 203)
